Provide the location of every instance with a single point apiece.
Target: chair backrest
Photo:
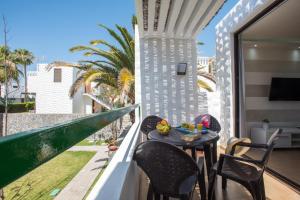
(271, 143)
(214, 124)
(149, 124)
(171, 171)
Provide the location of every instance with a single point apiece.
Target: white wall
(52, 97)
(78, 101)
(32, 81)
(14, 90)
(240, 14)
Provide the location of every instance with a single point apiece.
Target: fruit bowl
(163, 127)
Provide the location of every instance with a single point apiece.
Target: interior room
(270, 93)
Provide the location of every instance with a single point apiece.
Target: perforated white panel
(163, 92)
(242, 13)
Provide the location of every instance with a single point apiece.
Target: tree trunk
(26, 89)
(132, 116)
(1, 135)
(1, 194)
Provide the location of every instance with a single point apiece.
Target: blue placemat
(183, 130)
(187, 131)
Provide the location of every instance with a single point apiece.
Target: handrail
(22, 152)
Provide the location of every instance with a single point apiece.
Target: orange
(164, 122)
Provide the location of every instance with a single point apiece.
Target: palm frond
(206, 75)
(61, 63)
(125, 80)
(115, 36)
(79, 82)
(204, 85)
(123, 57)
(133, 21)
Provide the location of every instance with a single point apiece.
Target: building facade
(52, 86)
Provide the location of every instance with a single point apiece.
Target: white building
(52, 91)
(206, 64)
(15, 91)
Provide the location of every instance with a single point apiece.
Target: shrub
(30, 105)
(18, 107)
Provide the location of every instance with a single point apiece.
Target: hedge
(18, 107)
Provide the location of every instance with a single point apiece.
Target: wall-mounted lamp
(181, 68)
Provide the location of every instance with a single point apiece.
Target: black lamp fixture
(181, 68)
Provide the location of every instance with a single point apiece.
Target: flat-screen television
(285, 89)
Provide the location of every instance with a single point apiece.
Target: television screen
(285, 89)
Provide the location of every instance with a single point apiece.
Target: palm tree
(113, 67)
(24, 57)
(7, 59)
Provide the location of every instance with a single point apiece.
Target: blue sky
(49, 28)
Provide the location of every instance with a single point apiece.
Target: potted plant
(112, 147)
(265, 123)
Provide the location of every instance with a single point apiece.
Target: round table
(207, 140)
(174, 137)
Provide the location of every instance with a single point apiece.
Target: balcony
(122, 179)
(164, 38)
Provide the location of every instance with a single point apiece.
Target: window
(57, 75)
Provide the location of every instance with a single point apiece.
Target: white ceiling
(282, 25)
(174, 18)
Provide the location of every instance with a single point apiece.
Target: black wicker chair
(171, 171)
(214, 123)
(149, 124)
(248, 172)
(210, 149)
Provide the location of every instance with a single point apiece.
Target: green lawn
(88, 143)
(56, 173)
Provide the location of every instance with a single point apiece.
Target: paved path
(80, 184)
(88, 148)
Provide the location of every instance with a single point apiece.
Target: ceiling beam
(184, 15)
(200, 8)
(163, 12)
(208, 15)
(151, 15)
(175, 10)
(139, 15)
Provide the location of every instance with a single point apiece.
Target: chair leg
(211, 186)
(256, 191)
(156, 196)
(185, 197)
(208, 158)
(224, 183)
(262, 188)
(165, 197)
(193, 152)
(201, 182)
(214, 152)
(150, 192)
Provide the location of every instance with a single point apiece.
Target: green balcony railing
(22, 152)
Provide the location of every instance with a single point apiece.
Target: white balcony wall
(164, 93)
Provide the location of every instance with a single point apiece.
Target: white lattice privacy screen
(164, 93)
(239, 15)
